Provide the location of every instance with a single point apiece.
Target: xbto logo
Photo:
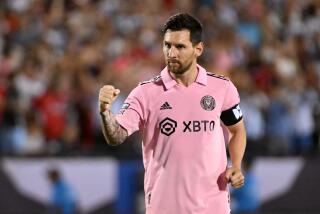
(196, 126)
(168, 126)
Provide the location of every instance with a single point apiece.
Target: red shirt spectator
(52, 106)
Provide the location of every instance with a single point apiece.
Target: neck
(188, 77)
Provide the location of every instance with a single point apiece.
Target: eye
(180, 46)
(167, 45)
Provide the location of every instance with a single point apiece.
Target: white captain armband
(231, 116)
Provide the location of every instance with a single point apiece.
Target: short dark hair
(183, 21)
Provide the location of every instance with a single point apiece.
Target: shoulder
(148, 87)
(223, 82)
(155, 79)
(146, 90)
(221, 77)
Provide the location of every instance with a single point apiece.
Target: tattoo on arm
(112, 131)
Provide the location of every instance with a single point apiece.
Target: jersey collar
(169, 82)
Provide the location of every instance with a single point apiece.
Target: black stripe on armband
(231, 116)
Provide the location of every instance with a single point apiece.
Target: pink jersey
(184, 152)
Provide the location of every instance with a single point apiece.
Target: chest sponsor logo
(198, 125)
(168, 126)
(208, 103)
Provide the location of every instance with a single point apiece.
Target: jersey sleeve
(131, 114)
(231, 112)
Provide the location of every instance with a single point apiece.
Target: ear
(198, 49)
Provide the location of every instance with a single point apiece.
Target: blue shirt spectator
(63, 200)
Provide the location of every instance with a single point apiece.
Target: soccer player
(180, 114)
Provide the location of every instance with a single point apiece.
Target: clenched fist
(235, 177)
(107, 95)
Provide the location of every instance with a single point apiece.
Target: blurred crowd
(56, 54)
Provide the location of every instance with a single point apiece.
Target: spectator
(34, 142)
(62, 199)
(279, 123)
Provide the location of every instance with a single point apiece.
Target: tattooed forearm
(112, 131)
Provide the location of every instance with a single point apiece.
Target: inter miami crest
(208, 103)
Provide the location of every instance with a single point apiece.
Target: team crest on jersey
(208, 103)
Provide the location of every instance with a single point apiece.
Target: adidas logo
(165, 106)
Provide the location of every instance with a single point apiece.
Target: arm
(236, 147)
(112, 131)
(237, 143)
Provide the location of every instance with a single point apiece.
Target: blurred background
(56, 54)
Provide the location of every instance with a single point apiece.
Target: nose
(172, 52)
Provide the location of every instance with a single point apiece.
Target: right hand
(107, 95)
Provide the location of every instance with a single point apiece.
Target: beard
(176, 67)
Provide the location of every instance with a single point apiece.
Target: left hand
(235, 177)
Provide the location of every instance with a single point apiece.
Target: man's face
(179, 52)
